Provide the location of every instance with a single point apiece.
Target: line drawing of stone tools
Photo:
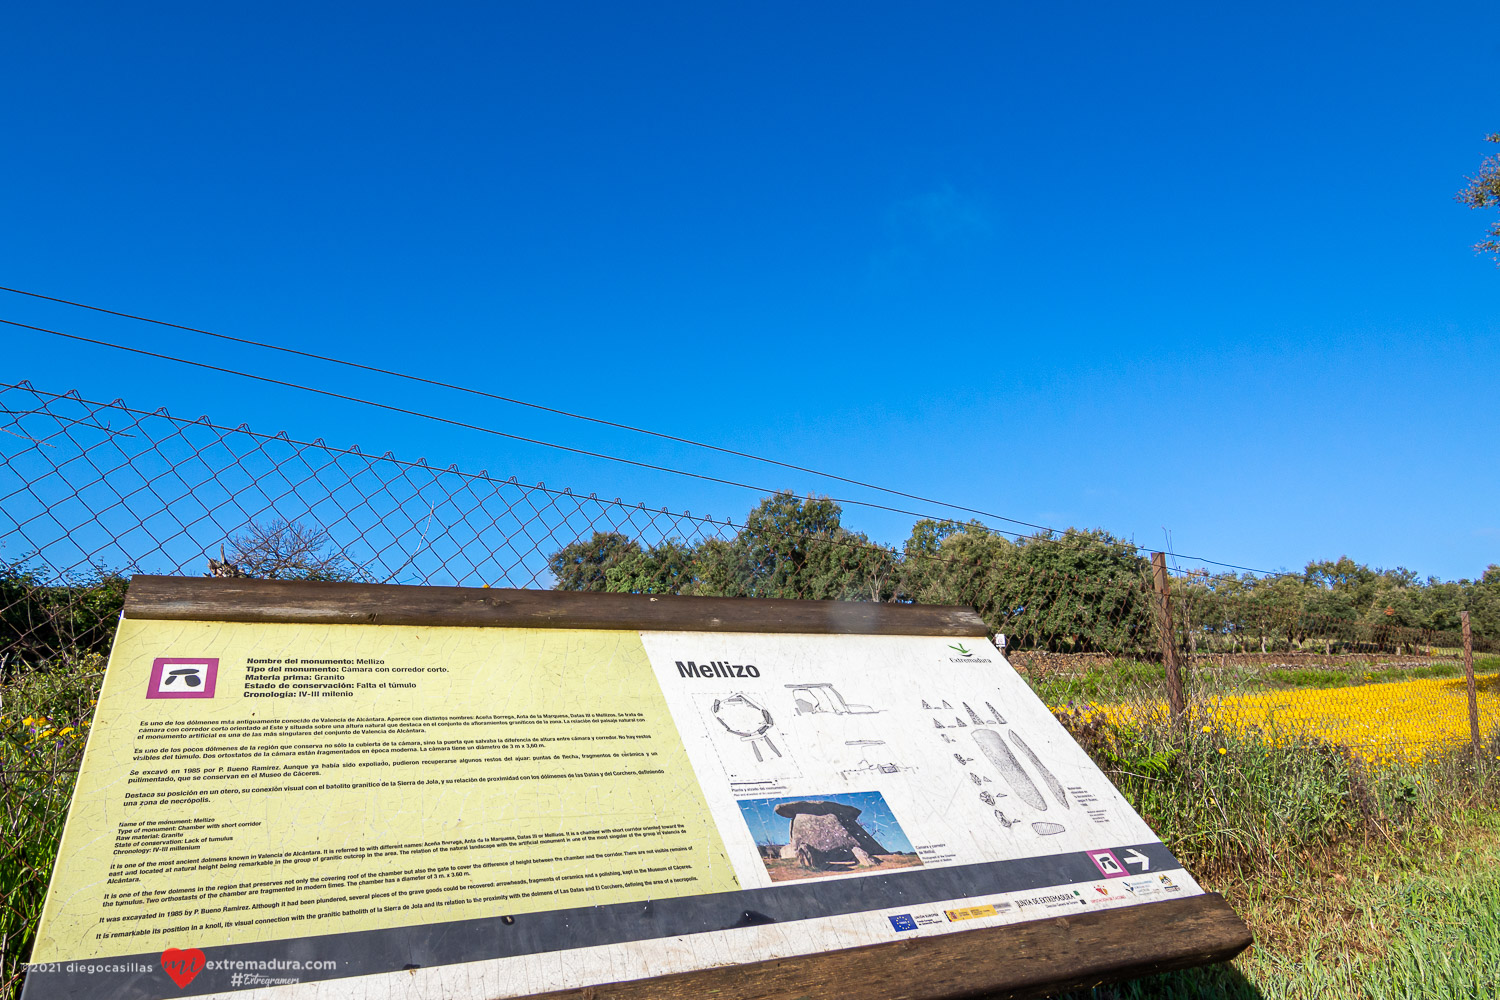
(993, 747)
(999, 719)
(1053, 785)
(973, 715)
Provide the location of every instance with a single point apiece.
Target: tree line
(1074, 591)
(43, 618)
(1077, 590)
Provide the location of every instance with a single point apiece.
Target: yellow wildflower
(1388, 722)
(1222, 750)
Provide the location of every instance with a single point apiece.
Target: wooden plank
(1032, 959)
(239, 600)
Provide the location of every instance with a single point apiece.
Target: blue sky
(1177, 268)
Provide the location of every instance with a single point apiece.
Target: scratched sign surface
(341, 810)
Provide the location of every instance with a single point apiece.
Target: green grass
(1121, 680)
(1367, 927)
(38, 761)
(1236, 800)
(1316, 678)
(1357, 882)
(1126, 680)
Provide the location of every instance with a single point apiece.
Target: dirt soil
(787, 870)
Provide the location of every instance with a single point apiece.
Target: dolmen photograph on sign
(839, 834)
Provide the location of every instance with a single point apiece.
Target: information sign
(340, 790)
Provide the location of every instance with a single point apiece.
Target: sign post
(359, 790)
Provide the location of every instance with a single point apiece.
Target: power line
(548, 444)
(460, 423)
(324, 446)
(521, 402)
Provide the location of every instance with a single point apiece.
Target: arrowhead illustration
(1134, 857)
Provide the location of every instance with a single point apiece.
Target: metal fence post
(1175, 700)
(1463, 617)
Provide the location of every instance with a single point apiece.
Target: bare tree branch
(282, 550)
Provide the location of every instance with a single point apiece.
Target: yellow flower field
(1401, 718)
(1382, 722)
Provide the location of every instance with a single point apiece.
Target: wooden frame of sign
(1042, 937)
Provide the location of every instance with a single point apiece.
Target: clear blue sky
(1091, 265)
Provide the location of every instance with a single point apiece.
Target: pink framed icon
(1109, 865)
(183, 677)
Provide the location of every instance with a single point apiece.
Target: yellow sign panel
(479, 812)
(249, 783)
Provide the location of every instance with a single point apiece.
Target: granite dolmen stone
(825, 834)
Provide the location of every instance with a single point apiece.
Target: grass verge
(1358, 880)
(44, 717)
(1361, 926)
(1125, 680)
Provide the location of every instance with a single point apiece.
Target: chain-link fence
(1269, 667)
(88, 486)
(93, 492)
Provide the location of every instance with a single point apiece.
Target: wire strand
(521, 402)
(465, 425)
(871, 505)
(852, 541)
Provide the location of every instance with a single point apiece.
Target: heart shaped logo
(183, 964)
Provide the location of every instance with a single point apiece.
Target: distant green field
(1135, 680)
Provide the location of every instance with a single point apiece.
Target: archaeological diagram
(750, 722)
(1053, 785)
(975, 766)
(992, 745)
(821, 698)
(871, 763)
